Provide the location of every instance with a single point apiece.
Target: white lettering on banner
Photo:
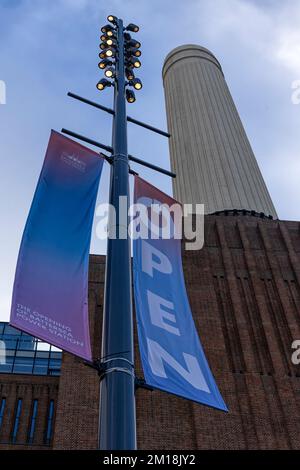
(157, 305)
(148, 262)
(193, 374)
(158, 315)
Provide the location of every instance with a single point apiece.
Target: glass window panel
(23, 369)
(54, 367)
(21, 353)
(10, 343)
(23, 365)
(40, 369)
(41, 346)
(26, 335)
(25, 351)
(56, 355)
(41, 362)
(6, 368)
(55, 362)
(10, 353)
(42, 354)
(23, 360)
(2, 350)
(10, 330)
(26, 344)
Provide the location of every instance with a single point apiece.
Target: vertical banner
(50, 296)
(172, 356)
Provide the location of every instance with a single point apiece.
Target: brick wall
(244, 291)
(28, 388)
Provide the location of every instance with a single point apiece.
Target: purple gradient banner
(172, 357)
(50, 296)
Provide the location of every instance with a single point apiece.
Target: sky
(48, 48)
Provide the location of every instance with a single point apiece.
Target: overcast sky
(50, 47)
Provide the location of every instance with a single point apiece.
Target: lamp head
(132, 27)
(103, 83)
(112, 19)
(136, 83)
(130, 96)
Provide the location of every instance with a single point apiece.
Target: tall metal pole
(117, 387)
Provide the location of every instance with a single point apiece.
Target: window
(7, 367)
(2, 408)
(41, 363)
(54, 363)
(32, 422)
(21, 353)
(17, 420)
(23, 362)
(10, 330)
(49, 426)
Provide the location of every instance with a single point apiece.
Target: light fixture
(110, 33)
(127, 36)
(134, 51)
(132, 27)
(130, 96)
(134, 62)
(103, 37)
(136, 83)
(112, 19)
(129, 74)
(110, 42)
(104, 63)
(103, 45)
(107, 53)
(133, 43)
(106, 29)
(103, 83)
(109, 72)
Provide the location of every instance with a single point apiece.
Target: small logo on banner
(74, 161)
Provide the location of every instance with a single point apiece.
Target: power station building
(243, 288)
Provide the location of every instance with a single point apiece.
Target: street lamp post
(117, 426)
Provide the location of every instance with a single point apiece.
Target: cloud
(271, 29)
(288, 49)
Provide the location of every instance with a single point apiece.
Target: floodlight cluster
(109, 55)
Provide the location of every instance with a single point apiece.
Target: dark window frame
(2, 410)
(33, 418)
(17, 418)
(49, 423)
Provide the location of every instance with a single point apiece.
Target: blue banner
(172, 356)
(50, 296)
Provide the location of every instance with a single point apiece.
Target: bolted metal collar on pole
(117, 420)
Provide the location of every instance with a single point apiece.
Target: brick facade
(28, 388)
(244, 291)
